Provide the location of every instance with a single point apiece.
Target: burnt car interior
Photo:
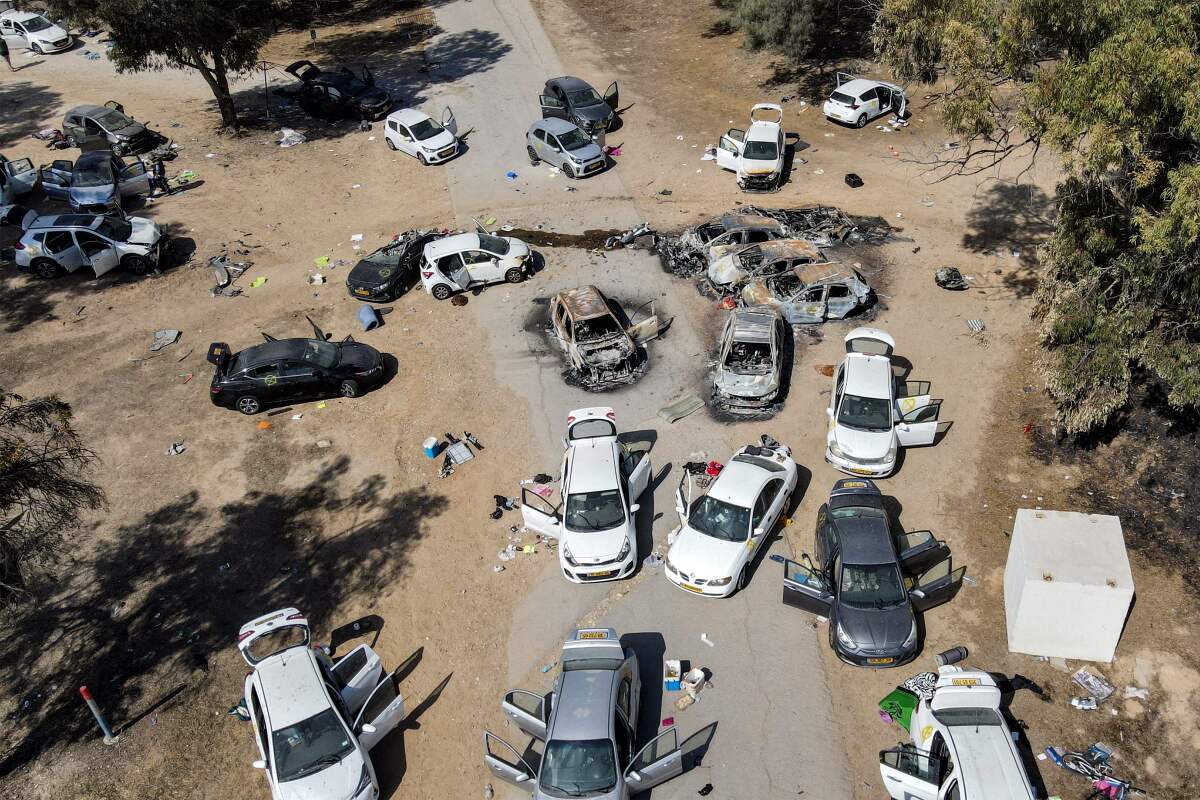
(749, 358)
(596, 329)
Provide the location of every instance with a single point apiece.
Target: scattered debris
(950, 278)
(1093, 684)
(164, 338)
(976, 325)
(257, 282)
(288, 138)
(175, 448)
(626, 238)
(853, 180)
(680, 408)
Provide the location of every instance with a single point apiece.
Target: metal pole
(266, 92)
(95, 709)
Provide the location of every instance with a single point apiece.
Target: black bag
(853, 181)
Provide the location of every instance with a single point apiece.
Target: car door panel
(505, 763)
(729, 152)
(552, 107)
(134, 179)
(907, 776)
(452, 267)
(656, 763)
(919, 550)
(918, 434)
(300, 381)
(22, 175)
(539, 514)
(612, 96)
(103, 260)
(807, 307)
(528, 711)
(55, 182)
(383, 711)
(936, 585)
(639, 475)
(646, 330)
(357, 674)
(805, 589)
(449, 122)
(683, 498)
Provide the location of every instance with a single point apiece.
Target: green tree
(1108, 87)
(44, 487)
(792, 27)
(217, 38)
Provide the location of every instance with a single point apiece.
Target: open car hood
(702, 556)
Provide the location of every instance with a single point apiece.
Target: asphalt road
(776, 733)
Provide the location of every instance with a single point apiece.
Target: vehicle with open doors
(472, 260)
(856, 101)
(314, 719)
(333, 94)
(390, 271)
(811, 293)
(416, 133)
(962, 746)
(97, 183)
(574, 100)
(17, 177)
(108, 127)
(587, 725)
(562, 144)
(756, 154)
(748, 377)
(601, 479)
(869, 580)
(872, 413)
(26, 29)
(724, 529)
(603, 350)
(60, 243)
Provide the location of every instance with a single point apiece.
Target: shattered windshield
(749, 358)
(719, 519)
(872, 586)
(855, 511)
(322, 353)
(310, 746)
(595, 511)
(114, 120)
(116, 229)
(95, 173)
(496, 245)
(426, 129)
(574, 139)
(865, 413)
(35, 24)
(590, 330)
(761, 151)
(584, 97)
(579, 768)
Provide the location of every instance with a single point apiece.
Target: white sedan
(415, 132)
(872, 414)
(33, 31)
(602, 479)
(722, 531)
(469, 260)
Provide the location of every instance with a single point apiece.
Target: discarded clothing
(950, 278)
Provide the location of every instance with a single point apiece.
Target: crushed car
(388, 272)
(755, 155)
(736, 264)
(472, 260)
(96, 183)
(575, 101)
(740, 227)
(108, 126)
(334, 94)
(812, 293)
(601, 351)
(748, 375)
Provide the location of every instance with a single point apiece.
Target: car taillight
(244, 636)
(18, 246)
(215, 390)
(853, 106)
(297, 615)
(611, 415)
(570, 419)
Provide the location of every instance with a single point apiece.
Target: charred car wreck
(602, 352)
(811, 294)
(749, 371)
(734, 265)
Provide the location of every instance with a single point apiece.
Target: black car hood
(876, 628)
(600, 112)
(373, 96)
(357, 356)
(372, 273)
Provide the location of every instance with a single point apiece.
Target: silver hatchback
(564, 145)
(588, 723)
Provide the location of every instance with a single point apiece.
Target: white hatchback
(722, 531)
(414, 132)
(602, 479)
(315, 720)
(856, 101)
(756, 154)
(469, 260)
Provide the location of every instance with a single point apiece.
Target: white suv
(314, 720)
(602, 478)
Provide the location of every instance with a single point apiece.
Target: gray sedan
(96, 182)
(564, 145)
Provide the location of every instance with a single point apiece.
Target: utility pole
(264, 66)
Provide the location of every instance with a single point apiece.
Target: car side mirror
(260, 764)
(634, 775)
(368, 728)
(565, 443)
(917, 594)
(829, 413)
(808, 561)
(633, 509)
(521, 777)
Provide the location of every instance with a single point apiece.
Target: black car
(289, 370)
(870, 581)
(339, 93)
(576, 101)
(389, 271)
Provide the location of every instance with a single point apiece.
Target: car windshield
(94, 173)
(426, 129)
(118, 230)
(749, 358)
(865, 413)
(761, 151)
(855, 511)
(496, 245)
(114, 120)
(321, 353)
(967, 717)
(719, 519)
(844, 99)
(580, 768)
(872, 586)
(584, 97)
(35, 24)
(310, 746)
(595, 511)
(574, 139)
(276, 641)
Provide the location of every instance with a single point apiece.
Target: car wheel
(440, 292)
(136, 265)
(36, 48)
(71, 142)
(46, 268)
(348, 388)
(861, 122)
(533, 157)
(421, 158)
(248, 405)
(391, 145)
(514, 275)
(743, 580)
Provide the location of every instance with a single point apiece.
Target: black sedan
(335, 94)
(388, 272)
(289, 370)
(870, 582)
(576, 101)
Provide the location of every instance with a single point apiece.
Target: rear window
(967, 717)
(760, 462)
(592, 663)
(591, 428)
(276, 641)
(844, 99)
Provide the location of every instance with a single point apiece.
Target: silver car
(588, 723)
(748, 376)
(564, 145)
(96, 182)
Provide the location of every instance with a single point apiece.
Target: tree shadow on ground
(1011, 217)
(24, 107)
(167, 591)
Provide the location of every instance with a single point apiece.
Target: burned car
(733, 265)
(748, 376)
(735, 228)
(389, 271)
(812, 293)
(602, 351)
(341, 93)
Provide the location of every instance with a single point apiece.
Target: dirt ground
(338, 511)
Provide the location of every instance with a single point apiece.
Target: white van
(962, 746)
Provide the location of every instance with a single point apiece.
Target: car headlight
(624, 549)
(381, 287)
(911, 640)
(835, 450)
(845, 639)
(429, 149)
(566, 554)
(891, 453)
(364, 780)
(720, 581)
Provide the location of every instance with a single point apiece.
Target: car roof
(291, 686)
(762, 131)
(451, 244)
(754, 323)
(569, 83)
(67, 221)
(869, 375)
(585, 705)
(864, 540)
(269, 351)
(789, 248)
(88, 110)
(739, 483)
(556, 125)
(408, 116)
(987, 764)
(19, 16)
(585, 302)
(593, 466)
(736, 221)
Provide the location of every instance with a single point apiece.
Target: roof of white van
(987, 763)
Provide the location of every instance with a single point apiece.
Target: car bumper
(759, 183)
(597, 573)
(881, 660)
(368, 292)
(737, 404)
(588, 168)
(56, 47)
(843, 464)
(839, 112)
(445, 154)
(693, 588)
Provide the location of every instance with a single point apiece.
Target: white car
(468, 260)
(872, 414)
(315, 720)
(602, 479)
(60, 243)
(755, 154)
(414, 132)
(856, 101)
(24, 29)
(722, 531)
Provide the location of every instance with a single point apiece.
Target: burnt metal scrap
(602, 350)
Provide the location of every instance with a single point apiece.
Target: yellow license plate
(964, 682)
(593, 635)
(857, 471)
(853, 485)
(593, 167)
(691, 588)
(603, 574)
(363, 292)
(880, 660)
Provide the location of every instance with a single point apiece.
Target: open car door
(22, 175)
(729, 150)
(382, 712)
(635, 466)
(539, 514)
(656, 763)
(302, 70)
(909, 774)
(552, 107)
(805, 589)
(357, 674)
(102, 259)
(807, 307)
(911, 395)
(920, 550)
(683, 496)
(505, 762)
(936, 585)
(449, 122)
(646, 330)
(134, 179)
(56, 179)
(528, 711)
(612, 96)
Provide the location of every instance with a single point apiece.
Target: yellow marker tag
(907, 404)
(926, 732)
(322, 404)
